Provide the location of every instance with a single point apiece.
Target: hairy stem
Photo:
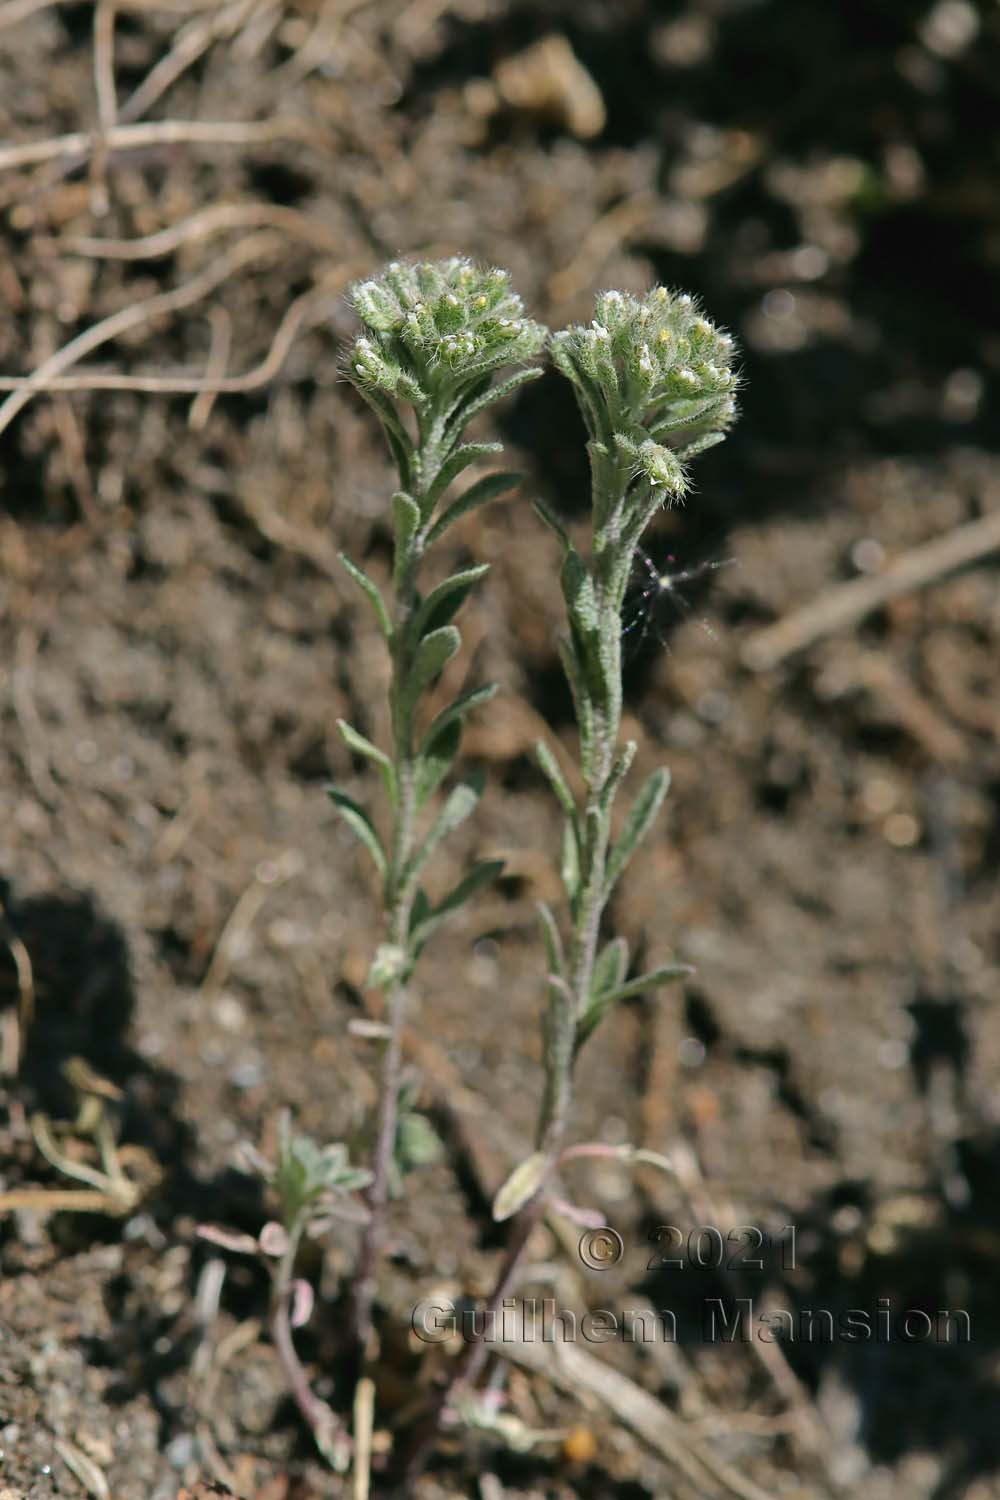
(565, 1004)
(399, 902)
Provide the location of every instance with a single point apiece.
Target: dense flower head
(650, 366)
(437, 323)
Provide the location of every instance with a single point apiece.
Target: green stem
(399, 900)
(597, 755)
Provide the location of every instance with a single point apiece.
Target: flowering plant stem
(654, 384)
(435, 334)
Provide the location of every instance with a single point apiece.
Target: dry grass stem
(254, 247)
(847, 605)
(204, 225)
(158, 133)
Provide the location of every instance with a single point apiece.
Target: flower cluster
(433, 325)
(647, 370)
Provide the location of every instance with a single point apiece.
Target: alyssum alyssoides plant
(435, 336)
(655, 383)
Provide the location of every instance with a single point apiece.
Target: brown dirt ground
(177, 643)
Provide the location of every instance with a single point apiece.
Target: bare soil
(177, 643)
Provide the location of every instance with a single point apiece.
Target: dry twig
(202, 226)
(364, 1412)
(254, 247)
(600, 242)
(157, 133)
(573, 1370)
(848, 603)
(215, 368)
(14, 1034)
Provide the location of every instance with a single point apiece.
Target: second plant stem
(567, 1001)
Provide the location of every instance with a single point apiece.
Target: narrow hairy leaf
(522, 1184)
(459, 804)
(552, 521)
(457, 710)
(578, 591)
(552, 939)
(637, 824)
(610, 968)
(490, 487)
(582, 706)
(666, 974)
(362, 746)
(446, 600)
(619, 770)
(420, 910)
(483, 872)
(435, 760)
(700, 445)
(601, 1004)
(555, 778)
(400, 444)
(431, 656)
(371, 593)
(454, 464)
(405, 521)
(359, 823)
(487, 397)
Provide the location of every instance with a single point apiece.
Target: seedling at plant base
(435, 336)
(312, 1188)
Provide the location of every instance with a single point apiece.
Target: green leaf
(490, 487)
(581, 602)
(400, 444)
(610, 969)
(700, 445)
(432, 655)
(420, 910)
(360, 824)
(552, 521)
(601, 1004)
(637, 825)
(405, 521)
(483, 872)
(362, 746)
(459, 804)
(582, 704)
(417, 1143)
(556, 779)
(665, 974)
(461, 458)
(480, 400)
(619, 770)
(457, 709)
(522, 1185)
(578, 591)
(371, 592)
(554, 952)
(435, 759)
(446, 600)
